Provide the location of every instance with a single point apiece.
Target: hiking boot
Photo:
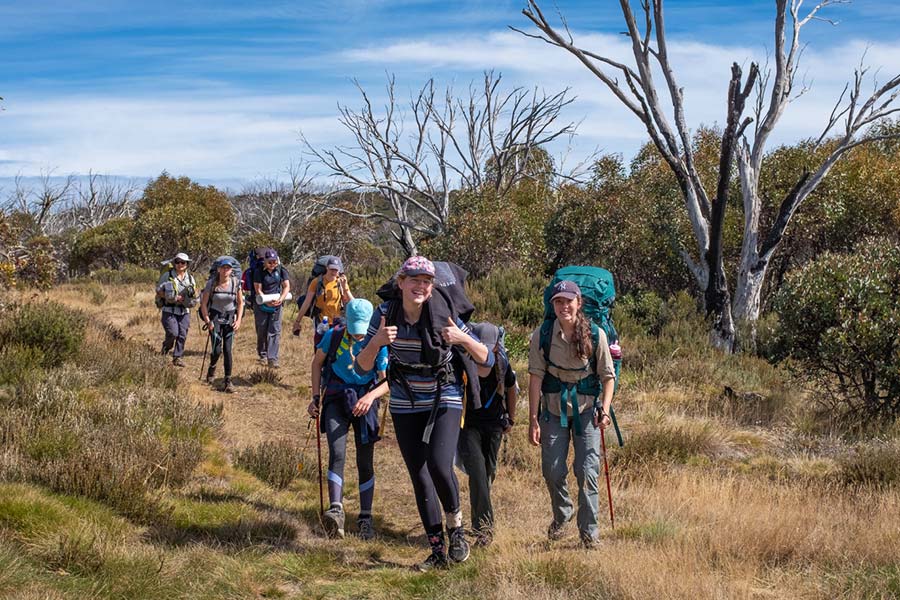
(459, 547)
(589, 543)
(557, 531)
(435, 560)
(210, 375)
(333, 521)
(177, 361)
(261, 361)
(165, 350)
(483, 539)
(365, 527)
(273, 364)
(229, 387)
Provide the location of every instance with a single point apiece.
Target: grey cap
(488, 333)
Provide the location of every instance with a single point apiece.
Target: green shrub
(277, 463)
(19, 363)
(128, 274)
(104, 246)
(873, 463)
(39, 267)
(838, 321)
(56, 331)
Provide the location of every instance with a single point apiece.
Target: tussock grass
(264, 376)
(874, 463)
(277, 462)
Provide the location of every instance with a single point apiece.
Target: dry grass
(712, 500)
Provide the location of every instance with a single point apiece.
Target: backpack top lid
(256, 256)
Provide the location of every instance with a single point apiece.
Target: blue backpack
(598, 295)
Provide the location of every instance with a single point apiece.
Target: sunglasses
(179, 262)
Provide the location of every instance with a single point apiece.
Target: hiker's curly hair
(582, 346)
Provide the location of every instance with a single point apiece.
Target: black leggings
(222, 341)
(431, 465)
(337, 425)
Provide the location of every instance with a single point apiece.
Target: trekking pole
(612, 519)
(319, 451)
(205, 350)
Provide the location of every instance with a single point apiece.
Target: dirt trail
(254, 412)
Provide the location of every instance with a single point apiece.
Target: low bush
(128, 274)
(54, 330)
(665, 443)
(278, 463)
(874, 463)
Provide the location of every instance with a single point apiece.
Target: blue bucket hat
(359, 313)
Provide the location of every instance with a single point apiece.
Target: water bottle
(322, 327)
(615, 351)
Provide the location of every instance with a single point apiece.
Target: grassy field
(743, 495)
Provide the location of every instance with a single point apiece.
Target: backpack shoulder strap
(595, 341)
(337, 335)
(546, 332)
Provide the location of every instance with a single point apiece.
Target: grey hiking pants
(176, 327)
(478, 449)
(554, 452)
(268, 332)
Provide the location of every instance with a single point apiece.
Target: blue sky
(218, 91)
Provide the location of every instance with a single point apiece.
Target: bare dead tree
(102, 198)
(636, 88)
(414, 156)
(275, 207)
(37, 203)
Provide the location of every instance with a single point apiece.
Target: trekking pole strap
(612, 416)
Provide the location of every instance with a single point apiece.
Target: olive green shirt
(561, 355)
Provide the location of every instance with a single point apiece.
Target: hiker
(559, 371)
(270, 278)
(338, 390)
(426, 387)
(176, 294)
(221, 309)
(484, 428)
(326, 296)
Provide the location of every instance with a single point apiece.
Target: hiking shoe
(459, 547)
(557, 531)
(210, 375)
(365, 527)
(177, 361)
(262, 361)
(589, 543)
(435, 560)
(229, 387)
(333, 521)
(483, 539)
(273, 364)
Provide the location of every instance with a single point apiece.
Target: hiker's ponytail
(582, 347)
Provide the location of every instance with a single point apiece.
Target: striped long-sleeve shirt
(407, 348)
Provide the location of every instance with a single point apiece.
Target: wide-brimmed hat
(566, 289)
(359, 313)
(179, 256)
(417, 265)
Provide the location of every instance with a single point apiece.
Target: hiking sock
(336, 488)
(454, 519)
(436, 541)
(366, 496)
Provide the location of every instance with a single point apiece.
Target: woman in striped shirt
(427, 437)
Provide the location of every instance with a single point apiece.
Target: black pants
(337, 425)
(222, 342)
(478, 449)
(431, 465)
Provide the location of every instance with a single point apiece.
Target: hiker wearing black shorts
(339, 392)
(484, 428)
(426, 391)
(221, 309)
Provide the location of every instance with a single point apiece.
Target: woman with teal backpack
(571, 382)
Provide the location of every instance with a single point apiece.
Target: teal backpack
(598, 295)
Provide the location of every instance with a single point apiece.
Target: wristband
(316, 399)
